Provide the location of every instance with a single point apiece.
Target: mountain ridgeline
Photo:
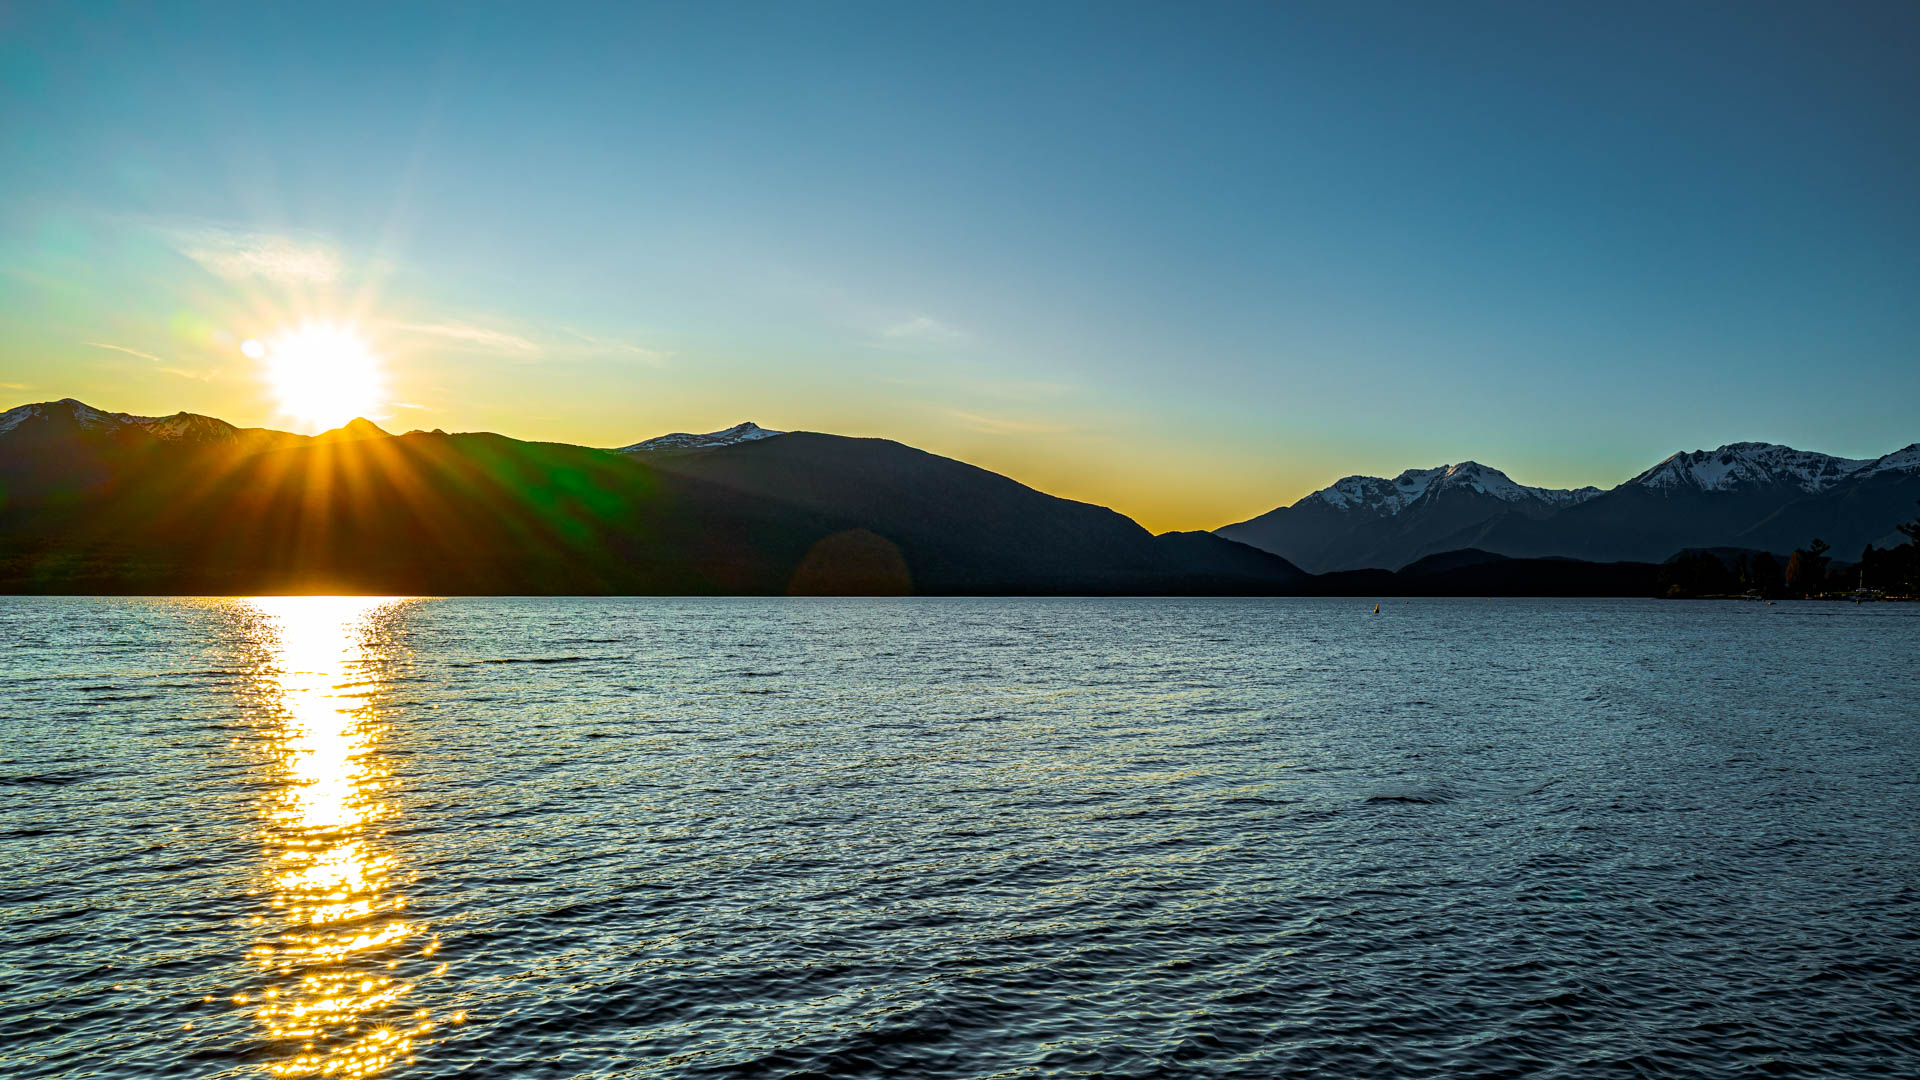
(1747, 496)
(99, 502)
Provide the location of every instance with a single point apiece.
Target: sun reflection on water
(336, 960)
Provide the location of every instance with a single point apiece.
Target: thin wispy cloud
(616, 346)
(542, 342)
(124, 349)
(478, 337)
(1029, 389)
(164, 368)
(237, 255)
(924, 329)
(1000, 425)
(15, 386)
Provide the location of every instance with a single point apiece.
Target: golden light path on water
(339, 949)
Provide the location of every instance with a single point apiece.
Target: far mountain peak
(1381, 496)
(747, 431)
(1745, 464)
(353, 430)
(1744, 494)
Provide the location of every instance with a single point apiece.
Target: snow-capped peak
(1392, 496)
(80, 413)
(1737, 464)
(188, 427)
(16, 416)
(681, 440)
(181, 427)
(1905, 459)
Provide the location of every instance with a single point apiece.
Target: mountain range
(113, 503)
(1747, 495)
(105, 502)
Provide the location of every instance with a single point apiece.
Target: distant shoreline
(100, 503)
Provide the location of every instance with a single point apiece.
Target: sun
(321, 374)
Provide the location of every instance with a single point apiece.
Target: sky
(1188, 261)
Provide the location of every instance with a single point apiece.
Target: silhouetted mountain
(1480, 573)
(1449, 560)
(182, 428)
(108, 502)
(66, 446)
(1728, 557)
(357, 510)
(353, 430)
(1530, 577)
(1214, 564)
(964, 529)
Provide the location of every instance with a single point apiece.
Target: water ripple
(979, 838)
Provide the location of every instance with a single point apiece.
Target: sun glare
(321, 374)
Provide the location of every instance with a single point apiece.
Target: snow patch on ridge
(1738, 464)
(681, 440)
(180, 427)
(1906, 459)
(1385, 496)
(186, 425)
(16, 416)
(83, 414)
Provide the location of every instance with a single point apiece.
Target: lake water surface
(958, 838)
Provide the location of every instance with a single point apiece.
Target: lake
(958, 837)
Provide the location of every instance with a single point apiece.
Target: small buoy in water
(1376, 609)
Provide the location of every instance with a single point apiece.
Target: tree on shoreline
(1695, 573)
(1807, 568)
(1699, 572)
(1895, 569)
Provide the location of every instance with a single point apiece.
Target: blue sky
(1187, 262)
